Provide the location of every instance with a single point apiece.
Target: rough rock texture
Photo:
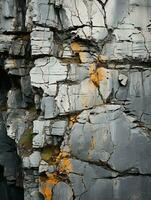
(75, 96)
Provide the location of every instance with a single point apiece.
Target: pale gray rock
(84, 176)
(5, 42)
(52, 168)
(43, 167)
(12, 15)
(59, 128)
(119, 188)
(49, 107)
(15, 99)
(62, 191)
(131, 37)
(16, 124)
(38, 128)
(42, 41)
(123, 79)
(45, 14)
(46, 73)
(38, 141)
(77, 97)
(107, 137)
(26, 162)
(137, 93)
(78, 72)
(34, 159)
(99, 119)
(77, 184)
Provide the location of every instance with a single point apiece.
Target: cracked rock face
(106, 134)
(75, 99)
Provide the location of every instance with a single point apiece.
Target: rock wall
(75, 96)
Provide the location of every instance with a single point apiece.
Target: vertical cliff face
(75, 97)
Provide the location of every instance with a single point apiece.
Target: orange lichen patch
(97, 74)
(77, 47)
(52, 178)
(47, 192)
(65, 166)
(46, 185)
(72, 120)
(64, 162)
(62, 155)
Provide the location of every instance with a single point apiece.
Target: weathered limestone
(42, 41)
(107, 135)
(62, 188)
(75, 96)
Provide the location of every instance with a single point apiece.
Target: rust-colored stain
(77, 47)
(46, 185)
(63, 154)
(65, 166)
(72, 120)
(83, 56)
(97, 73)
(52, 178)
(64, 162)
(49, 180)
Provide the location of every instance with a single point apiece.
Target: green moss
(25, 142)
(32, 109)
(49, 153)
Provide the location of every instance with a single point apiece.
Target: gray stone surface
(62, 191)
(108, 135)
(120, 188)
(49, 107)
(75, 97)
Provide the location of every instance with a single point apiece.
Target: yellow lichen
(46, 185)
(52, 178)
(65, 166)
(77, 47)
(62, 155)
(97, 74)
(72, 120)
(85, 57)
(64, 162)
